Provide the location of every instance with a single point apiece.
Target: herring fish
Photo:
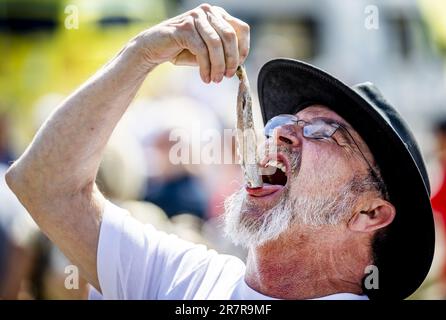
(246, 136)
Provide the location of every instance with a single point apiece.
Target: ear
(379, 214)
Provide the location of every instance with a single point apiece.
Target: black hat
(286, 86)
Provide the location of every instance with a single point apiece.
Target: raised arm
(55, 177)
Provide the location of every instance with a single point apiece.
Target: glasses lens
(278, 121)
(318, 130)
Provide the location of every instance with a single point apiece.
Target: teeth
(277, 164)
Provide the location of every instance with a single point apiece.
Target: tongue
(267, 189)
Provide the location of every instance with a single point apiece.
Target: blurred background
(50, 47)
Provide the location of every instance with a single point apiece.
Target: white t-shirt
(136, 261)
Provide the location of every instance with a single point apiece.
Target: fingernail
(218, 78)
(230, 72)
(207, 79)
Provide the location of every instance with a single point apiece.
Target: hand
(206, 36)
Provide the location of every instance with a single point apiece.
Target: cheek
(321, 170)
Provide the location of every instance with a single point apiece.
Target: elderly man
(349, 200)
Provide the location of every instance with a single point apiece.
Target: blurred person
(350, 189)
(174, 122)
(174, 189)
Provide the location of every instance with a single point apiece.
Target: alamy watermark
(212, 146)
(371, 281)
(371, 21)
(72, 18)
(72, 279)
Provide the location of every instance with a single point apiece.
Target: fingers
(229, 40)
(242, 32)
(213, 39)
(231, 47)
(214, 45)
(195, 50)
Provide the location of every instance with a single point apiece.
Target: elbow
(35, 188)
(21, 183)
(14, 180)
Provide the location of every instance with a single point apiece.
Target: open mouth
(275, 171)
(278, 177)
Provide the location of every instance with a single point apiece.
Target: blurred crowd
(187, 198)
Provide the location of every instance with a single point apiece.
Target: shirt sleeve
(136, 261)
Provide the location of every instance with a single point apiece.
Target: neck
(303, 265)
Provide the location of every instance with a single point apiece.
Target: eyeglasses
(318, 129)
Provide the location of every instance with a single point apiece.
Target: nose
(287, 136)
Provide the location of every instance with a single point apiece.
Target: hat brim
(286, 86)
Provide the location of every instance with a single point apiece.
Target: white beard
(248, 230)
